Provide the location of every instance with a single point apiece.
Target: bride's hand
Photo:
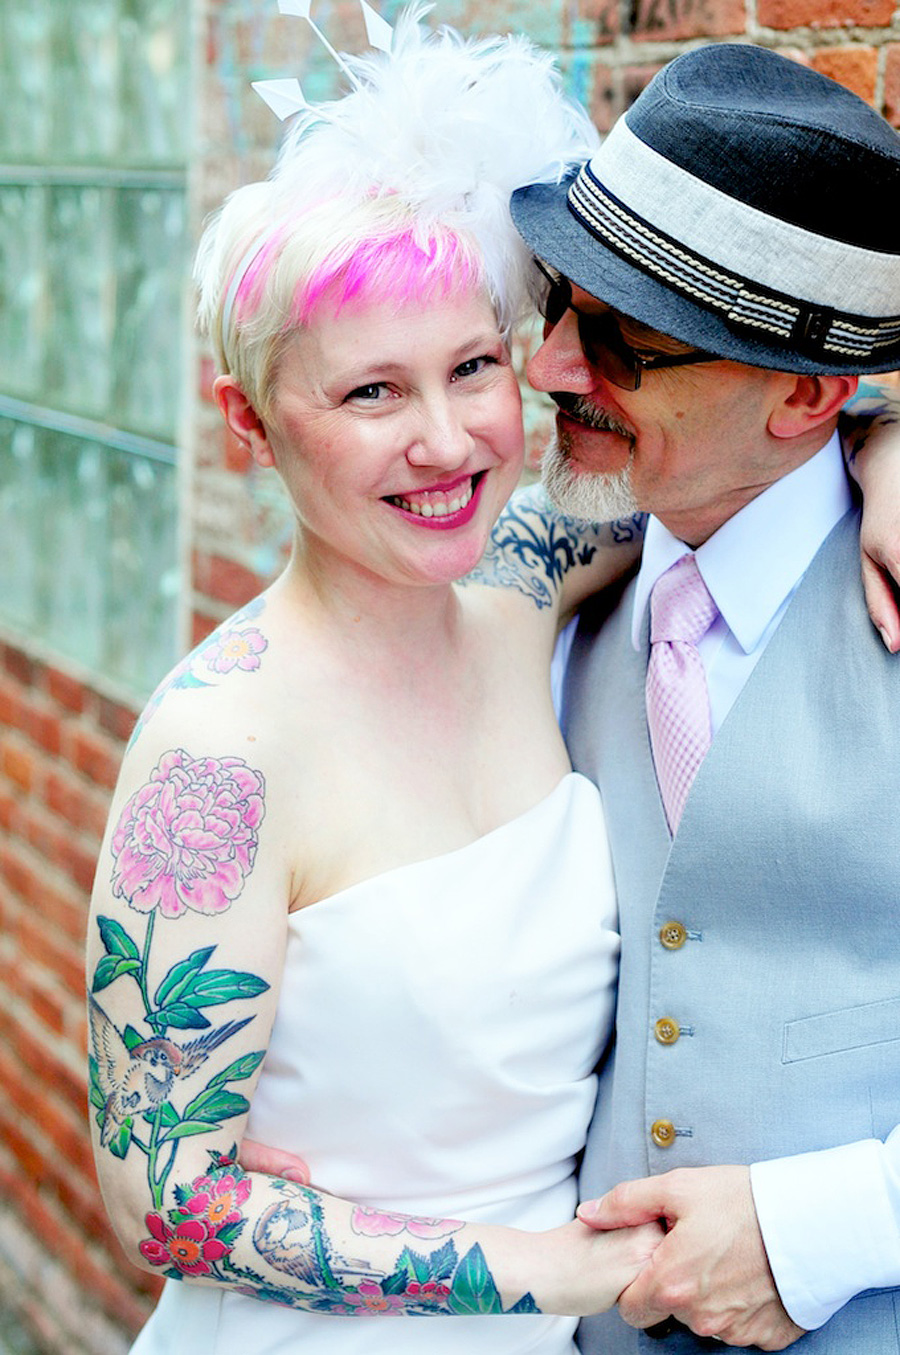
(572, 1275)
(257, 1157)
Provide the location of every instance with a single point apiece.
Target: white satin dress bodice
(433, 1054)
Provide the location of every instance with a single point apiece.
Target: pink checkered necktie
(681, 611)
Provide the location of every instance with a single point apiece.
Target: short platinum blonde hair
(399, 190)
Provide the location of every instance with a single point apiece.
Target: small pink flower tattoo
(188, 838)
(235, 649)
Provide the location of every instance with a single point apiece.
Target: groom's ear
(809, 402)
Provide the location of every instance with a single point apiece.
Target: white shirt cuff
(830, 1222)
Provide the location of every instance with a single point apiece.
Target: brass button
(666, 1030)
(673, 935)
(662, 1132)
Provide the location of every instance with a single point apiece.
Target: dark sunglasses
(601, 338)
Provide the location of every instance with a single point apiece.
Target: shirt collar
(769, 544)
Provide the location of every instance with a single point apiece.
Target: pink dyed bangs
(398, 269)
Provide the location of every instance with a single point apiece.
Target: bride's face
(397, 430)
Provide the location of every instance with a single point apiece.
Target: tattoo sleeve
(166, 1079)
(534, 547)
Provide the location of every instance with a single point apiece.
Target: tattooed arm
(870, 427)
(555, 560)
(187, 937)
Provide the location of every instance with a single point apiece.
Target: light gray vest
(785, 877)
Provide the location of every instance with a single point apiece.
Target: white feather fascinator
(440, 130)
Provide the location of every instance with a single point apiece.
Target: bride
(352, 900)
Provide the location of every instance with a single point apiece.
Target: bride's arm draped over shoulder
(186, 952)
(555, 560)
(870, 428)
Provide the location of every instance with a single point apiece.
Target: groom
(725, 264)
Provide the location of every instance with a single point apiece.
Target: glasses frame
(601, 335)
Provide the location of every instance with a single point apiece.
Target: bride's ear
(243, 420)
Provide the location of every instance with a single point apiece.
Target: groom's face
(690, 444)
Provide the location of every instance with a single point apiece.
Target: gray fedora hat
(745, 205)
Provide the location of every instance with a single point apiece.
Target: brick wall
(61, 737)
(60, 746)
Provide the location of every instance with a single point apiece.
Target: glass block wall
(93, 263)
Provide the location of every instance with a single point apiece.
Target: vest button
(662, 1132)
(666, 1030)
(673, 935)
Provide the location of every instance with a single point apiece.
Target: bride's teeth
(437, 509)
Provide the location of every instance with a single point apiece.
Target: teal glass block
(22, 265)
(72, 546)
(83, 91)
(154, 81)
(88, 552)
(25, 71)
(81, 300)
(21, 510)
(151, 273)
(142, 581)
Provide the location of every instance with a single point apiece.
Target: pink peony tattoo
(188, 838)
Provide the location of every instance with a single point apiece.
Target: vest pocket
(812, 1037)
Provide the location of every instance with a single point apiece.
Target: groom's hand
(256, 1157)
(710, 1271)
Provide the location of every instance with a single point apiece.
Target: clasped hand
(710, 1271)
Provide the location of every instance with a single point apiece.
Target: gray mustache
(582, 410)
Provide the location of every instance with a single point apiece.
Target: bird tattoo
(140, 1079)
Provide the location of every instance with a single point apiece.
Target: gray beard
(600, 496)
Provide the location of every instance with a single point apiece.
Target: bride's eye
(472, 366)
(373, 391)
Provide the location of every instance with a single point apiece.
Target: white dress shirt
(830, 1220)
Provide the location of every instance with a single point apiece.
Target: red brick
(43, 728)
(892, 84)
(12, 709)
(44, 1069)
(53, 953)
(46, 1006)
(80, 805)
(115, 719)
(206, 375)
(107, 1283)
(225, 580)
(18, 764)
(635, 79)
(824, 13)
(97, 757)
(65, 912)
(79, 864)
(855, 67)
(604, 104)
(19, 665)
(65, 690)
(201, 626)
(9, 812)
(667, 20)
(18, 873)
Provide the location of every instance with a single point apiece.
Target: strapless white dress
(433, 1054)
